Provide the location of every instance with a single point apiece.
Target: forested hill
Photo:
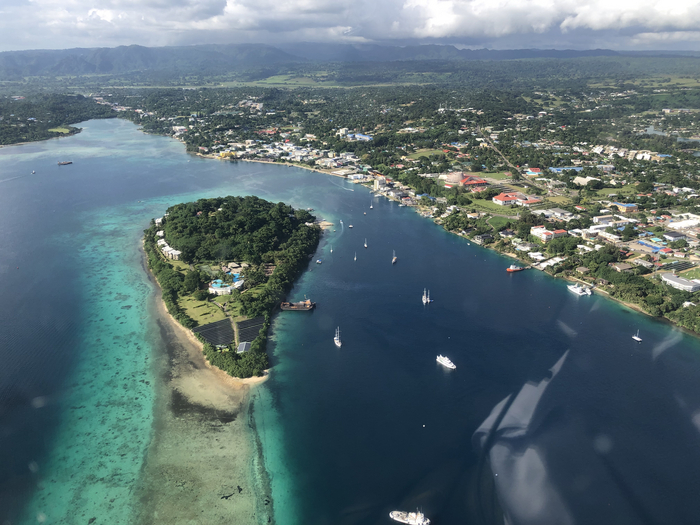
(240, 229)
(15, 65)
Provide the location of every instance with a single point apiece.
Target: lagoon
(345, 435)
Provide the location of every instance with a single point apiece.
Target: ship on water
(426, 297)
(513, 268)
(412, 518)
(445, 361)
(336, 339)
(394, 258)
(579, 290)
(64, 162)
(301, 306)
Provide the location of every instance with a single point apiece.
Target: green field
(491, 207)
(60, 129)
(498, 222)
(629, 189)
(561, 200)
(425, 153)
(691, 274)
(496, 176)
(201, 311)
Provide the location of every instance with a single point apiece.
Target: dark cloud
(625, 24)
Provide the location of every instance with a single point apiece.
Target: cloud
(63, 23)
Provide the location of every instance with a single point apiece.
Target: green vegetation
(273, 241)
(40, 117)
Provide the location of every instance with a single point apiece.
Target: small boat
(579, 290)
(64, 162)
(341, 222)
(365, 242)
(370, 205)
(412, 518)
(355, 256)
(349, 225)
(336, 339)
(394, 258)
(331, 248)
(445, 361)
(318, 261)
(513, 268)
(426, 297)
(636, 337)
(33, 172)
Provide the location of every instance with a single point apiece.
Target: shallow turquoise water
(348, 434)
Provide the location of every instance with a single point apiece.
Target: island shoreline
(202, 462)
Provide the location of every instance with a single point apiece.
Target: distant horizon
(283, 45)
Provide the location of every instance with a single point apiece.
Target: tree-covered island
(252, 248)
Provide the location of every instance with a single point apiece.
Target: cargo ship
(300, 306)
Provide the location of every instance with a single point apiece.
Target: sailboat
(394, 258)
(365, 242)
(355, 256)
(336, 339)
(370, 205)
(426, 297)
(636, 337)
(331, 248)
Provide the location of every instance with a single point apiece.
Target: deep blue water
(348, 434)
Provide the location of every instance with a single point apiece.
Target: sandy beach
(201, 466)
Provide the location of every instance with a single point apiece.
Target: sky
(494, 24)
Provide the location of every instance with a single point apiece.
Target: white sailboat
(331, 248)
(426, 297)
(336, 339)
(370, 205)
(365, 242)
(636, 337)
(394, 258)
(355, 256)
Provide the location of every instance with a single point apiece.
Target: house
(507, 234)
(505, 199)
(626, 208)
(483, 238)
(543, 234)
(680, 283)
(582, 270)
(604, 219)
(621, 267)
(562, 214)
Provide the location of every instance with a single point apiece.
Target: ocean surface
(596, 427)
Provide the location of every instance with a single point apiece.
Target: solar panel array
(218, 333)
(678, 266)
(249, 330)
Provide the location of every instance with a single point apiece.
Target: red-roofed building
(473, 182)
(505, 199)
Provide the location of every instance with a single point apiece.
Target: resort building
(680, 283)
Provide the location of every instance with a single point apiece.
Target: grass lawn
(492, 207)
(201, 311)
(425, 153)
(693, 273)
(629, 189)
(60, 129)
(498, 222)
(497, 176)
(559, 200)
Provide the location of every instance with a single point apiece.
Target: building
(243, 347)
(680, 283)
(473, 182)
(674, 236)
(544, 235)
(626, 208)
(621, 267)
(505, 199)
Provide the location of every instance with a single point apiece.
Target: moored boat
(336, 339)
(579, 290)
(445, 361)
(301, 306)
(636, 337)
(513, 268)
(412, 518)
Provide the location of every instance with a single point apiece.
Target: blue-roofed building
(560, 170)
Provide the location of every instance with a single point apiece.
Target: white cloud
(62, 23)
